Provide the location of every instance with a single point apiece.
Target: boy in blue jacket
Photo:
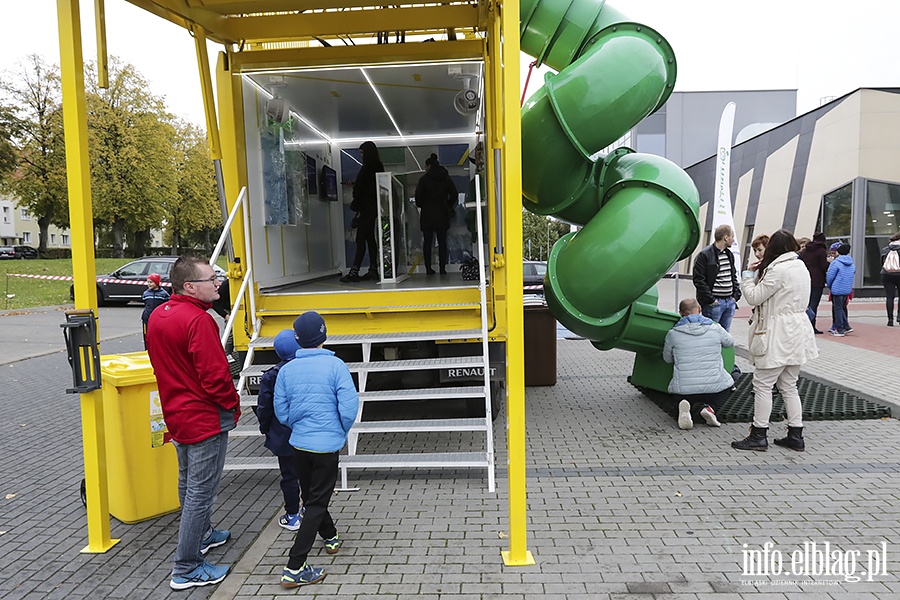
(315, 396)
(278, 435)
(839, 280)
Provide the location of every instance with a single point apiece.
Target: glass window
(52, 238)
(133, 269)
(882, 208)
(65, 240)
(836, 208)
(872, 261)
(25, 215)
(26, 237)
(540, 269)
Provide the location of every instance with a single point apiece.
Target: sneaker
(306, 575)
(371, 276)
(216, 538)
(332, 545)
(684, 415)
(351, 277)
(205, 574)
(290, 522)
(709, 415)
(848, 330)
(817, 332)
(835, 333)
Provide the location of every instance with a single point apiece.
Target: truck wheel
(496, 400)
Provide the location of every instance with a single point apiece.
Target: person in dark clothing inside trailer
(436, 197)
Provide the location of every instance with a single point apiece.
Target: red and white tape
(99, 279)
(533, 287)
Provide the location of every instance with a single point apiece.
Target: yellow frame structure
(257, 39)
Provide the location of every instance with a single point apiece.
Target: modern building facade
(834, 169)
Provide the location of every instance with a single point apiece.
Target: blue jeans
(722, 313)
(199, 473)
(841, 321)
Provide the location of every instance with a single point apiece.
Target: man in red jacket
(200, 406)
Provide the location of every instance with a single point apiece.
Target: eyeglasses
(213, 279)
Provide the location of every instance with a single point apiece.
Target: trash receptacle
(540, 346)
(141, 464)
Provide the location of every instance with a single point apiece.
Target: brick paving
(621, 503)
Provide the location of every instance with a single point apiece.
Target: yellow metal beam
(209, 103)
(508, 63)
(83, 264)
(100, 26)
(175, 11)
(351, 22)
(237, 7)
(257, 60)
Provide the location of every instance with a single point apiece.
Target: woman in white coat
(781, 338)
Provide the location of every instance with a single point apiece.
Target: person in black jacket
(436, 196)
(278, 436)
(815, 256)
(715, 278)
(365, 203)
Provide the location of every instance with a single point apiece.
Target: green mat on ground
(821, 402)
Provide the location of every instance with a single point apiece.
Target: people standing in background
(758, 245)
(803, 242)
(365, 203)
(153, 296)
(839, 280)
(715, 278)
(815, 257)
(890, 278)
(436, 197)
(781, 339)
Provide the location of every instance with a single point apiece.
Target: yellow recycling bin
(142, 467)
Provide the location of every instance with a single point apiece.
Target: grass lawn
(29, 293)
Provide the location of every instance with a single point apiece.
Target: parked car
(24, 252)
(131, 278)
(533, 272)
(7, 252)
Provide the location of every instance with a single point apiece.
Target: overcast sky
(819, 49)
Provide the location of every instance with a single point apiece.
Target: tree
(10, 129)
(132, 172)
(539, 233)
(193, 214)
(39, 181)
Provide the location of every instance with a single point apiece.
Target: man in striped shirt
(715, 278)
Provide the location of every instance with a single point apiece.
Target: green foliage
(539, 233)
(131, 135)
(193, 212)
(39, 182)
(10, 129)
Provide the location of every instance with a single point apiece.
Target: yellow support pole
(508, 64)
(209, 104)
(102, 59)
(83, 266)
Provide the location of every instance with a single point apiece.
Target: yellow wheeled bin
(142, 467)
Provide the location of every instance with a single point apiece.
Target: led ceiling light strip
(300, 117)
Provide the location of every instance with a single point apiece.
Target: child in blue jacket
(839, 280)
(278, 436)
(152, 297)
(316, 396)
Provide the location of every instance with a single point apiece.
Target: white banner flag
(722, 214)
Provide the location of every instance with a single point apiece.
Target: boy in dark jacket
(153, 296)
(278, 436)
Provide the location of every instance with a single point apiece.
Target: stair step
(382, 366)
(242, 463)
(244, 432)
(336, 310)
(419, 425)
(445, 393)
(425, 460)
(378, 338)
(248, 399)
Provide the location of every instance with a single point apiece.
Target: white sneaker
(709, 415)
(684, 415)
